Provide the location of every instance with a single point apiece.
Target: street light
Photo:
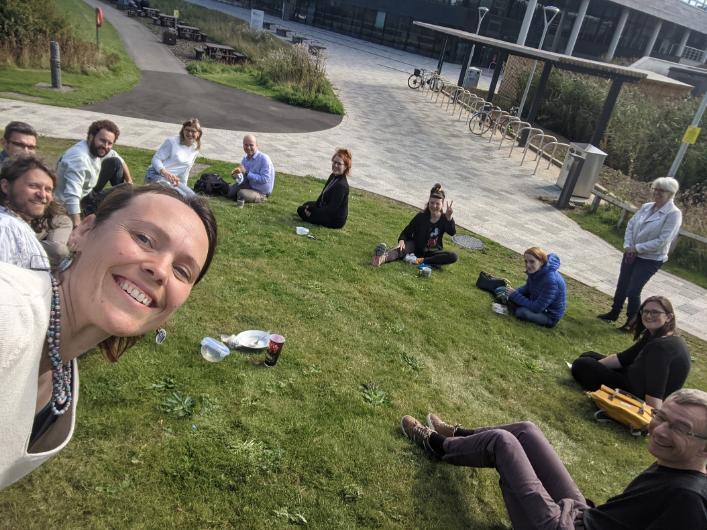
(549, 14)
(462, 74)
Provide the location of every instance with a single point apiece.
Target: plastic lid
(215, 345)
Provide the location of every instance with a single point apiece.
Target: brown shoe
(438, 425)
(417, 433)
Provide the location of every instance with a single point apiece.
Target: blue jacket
(545, 291)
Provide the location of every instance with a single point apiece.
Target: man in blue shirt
(255, 176)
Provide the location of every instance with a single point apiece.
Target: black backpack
(211, 184)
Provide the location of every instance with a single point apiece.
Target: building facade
(595, 29)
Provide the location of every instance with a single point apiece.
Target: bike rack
(544, 151)
(478, 104)
(499, 120)
(533, 133)
(469, 98)
(531, 130)
(453, 96)
(514, 125)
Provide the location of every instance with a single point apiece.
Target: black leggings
(318, 216)
(111, 171)
(591, 374)
(440, 257)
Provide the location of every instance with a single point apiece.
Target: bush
(643, 135)
(27, 27)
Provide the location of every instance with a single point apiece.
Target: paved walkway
(166, 92)
(402, 144)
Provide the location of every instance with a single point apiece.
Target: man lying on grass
(540, 494)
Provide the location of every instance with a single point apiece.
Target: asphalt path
(166, 90)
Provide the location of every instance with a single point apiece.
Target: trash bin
(169, 36)
(593, 162)
(471, 79)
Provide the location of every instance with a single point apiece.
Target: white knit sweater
(25, 301)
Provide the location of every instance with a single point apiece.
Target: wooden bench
(219, 52)
(316, 49)
(168, 21)
(188, 32)
(151, 12)
(625, 207)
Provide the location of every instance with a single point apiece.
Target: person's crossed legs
(537, 489)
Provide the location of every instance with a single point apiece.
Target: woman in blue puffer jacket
(543, 298)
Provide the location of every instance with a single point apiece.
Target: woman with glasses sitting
(655, 366)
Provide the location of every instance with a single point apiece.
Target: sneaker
(608, 317)
(442, 428)
(379, 255)
(417, 433)
(411, 259)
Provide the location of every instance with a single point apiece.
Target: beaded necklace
(61, 372)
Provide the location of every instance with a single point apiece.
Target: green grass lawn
(243, 446)
(87, 87)
(688, 260)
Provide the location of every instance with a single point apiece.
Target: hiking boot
(611, 316)
(417, 433)
(441, 427)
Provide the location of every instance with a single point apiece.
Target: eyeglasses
(337, 163)
(652, 312)
(679, 428)
(22, 145)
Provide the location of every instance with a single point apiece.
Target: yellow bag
(623, 407)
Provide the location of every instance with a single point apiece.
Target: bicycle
(421, 77)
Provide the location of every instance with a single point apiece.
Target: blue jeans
(152, 177)
(634, 275)
(542, 319)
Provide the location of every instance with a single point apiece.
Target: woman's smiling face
(136, 268)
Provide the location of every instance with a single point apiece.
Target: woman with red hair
(331, 209)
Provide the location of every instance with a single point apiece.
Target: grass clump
(301, 438)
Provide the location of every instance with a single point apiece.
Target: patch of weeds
(112, 489)
(532, 365)
(249, 401)
(166, 383)
(351, 493)
(373, 394)
(411, 361)
(292, 518)
(208, 404)
(257, 455)
(274, 386)
(178, 405)
(310, 370)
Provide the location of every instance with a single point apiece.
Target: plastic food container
(213, 350)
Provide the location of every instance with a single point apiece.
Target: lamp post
(482, 14)
(549, 14)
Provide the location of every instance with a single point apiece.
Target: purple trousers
(537, 489)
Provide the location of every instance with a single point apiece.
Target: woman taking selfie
(134, 263)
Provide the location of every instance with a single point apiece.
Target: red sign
(99, 17)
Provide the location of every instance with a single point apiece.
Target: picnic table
(298, 39)
(219, 52)
(151, 12)
(316, 49)
(168, 20)
(188, 32)
(283, 32)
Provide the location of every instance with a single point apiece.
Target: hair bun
(437, 191)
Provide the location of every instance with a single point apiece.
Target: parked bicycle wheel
(414, 81)
(480, 123)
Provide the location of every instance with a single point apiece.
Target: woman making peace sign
(421, 240)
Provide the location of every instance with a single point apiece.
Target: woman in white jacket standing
(646, 243)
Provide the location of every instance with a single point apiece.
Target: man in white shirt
(26, 191)
(86, 167)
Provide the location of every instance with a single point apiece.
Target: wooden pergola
(617, 74)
